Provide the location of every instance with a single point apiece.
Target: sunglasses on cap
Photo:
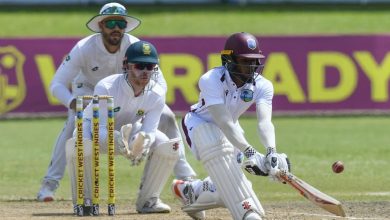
(142, 66)
(110, 24)
(114, 10)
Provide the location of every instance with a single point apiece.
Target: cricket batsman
(216, 139)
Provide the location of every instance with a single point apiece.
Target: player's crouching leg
(158, 168)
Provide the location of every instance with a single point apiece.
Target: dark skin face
(243, 67)
(111, 37)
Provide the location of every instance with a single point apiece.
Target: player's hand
(282, 165)
(137, 160)
(255, 165)
(272, 161)
(122, 138)
(139, 143)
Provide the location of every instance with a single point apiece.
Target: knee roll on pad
(211, 142)
(217, 155)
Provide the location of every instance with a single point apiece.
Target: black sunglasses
(142, 66)
(110, 24)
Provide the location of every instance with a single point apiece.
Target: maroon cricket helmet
(242, 45)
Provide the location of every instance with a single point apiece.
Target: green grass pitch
(312, 143)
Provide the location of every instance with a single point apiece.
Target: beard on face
(114, 38)
(140, 78)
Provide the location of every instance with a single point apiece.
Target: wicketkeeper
(138, 104)
(215, 137)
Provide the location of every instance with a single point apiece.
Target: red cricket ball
(338, 167)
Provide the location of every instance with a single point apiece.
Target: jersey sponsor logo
(140, 112)
(12, 82)
(117, 109)
(95, 68)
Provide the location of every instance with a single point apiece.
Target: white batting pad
(217, 155)
(158, 168)
(71, 163)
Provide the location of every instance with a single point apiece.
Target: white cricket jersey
(129, 109)
(216, 87)
(86, 64)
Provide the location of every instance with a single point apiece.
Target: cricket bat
(315, 196)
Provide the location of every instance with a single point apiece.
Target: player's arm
(256, 161)
(265, 126)
(66, 72)
(213, 94)
(152, 118)
(224, 121)
(144, 139)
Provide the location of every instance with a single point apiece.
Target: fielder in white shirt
(214, 134)
(91, 59)
(138, 105)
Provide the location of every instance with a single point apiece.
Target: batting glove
(272, 160)
(255, 163)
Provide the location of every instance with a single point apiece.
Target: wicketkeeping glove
(122, 138)
(142, 151)
(135, 161)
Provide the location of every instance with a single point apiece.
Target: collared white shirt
(129, 109)
(216, 87)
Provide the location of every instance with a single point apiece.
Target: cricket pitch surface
(30, 209)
